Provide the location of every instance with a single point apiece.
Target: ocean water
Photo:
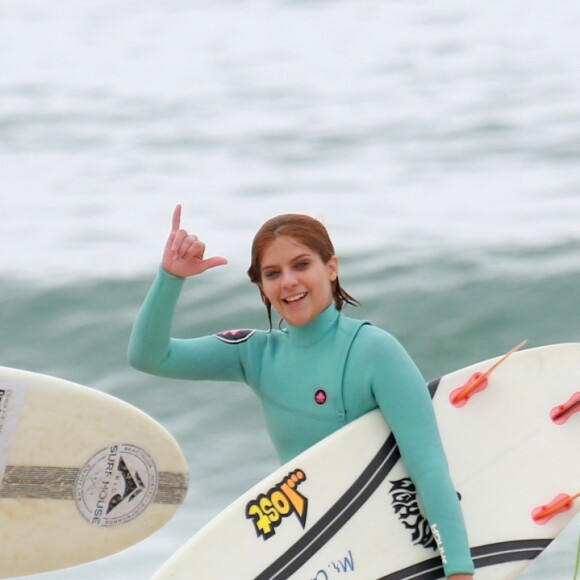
(439, 142)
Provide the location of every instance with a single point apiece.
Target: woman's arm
(151, 347)
(401, 393)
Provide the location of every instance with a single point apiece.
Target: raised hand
(184, 253)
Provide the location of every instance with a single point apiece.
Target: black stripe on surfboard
(341, 512)
(483, 556)
(337, 516)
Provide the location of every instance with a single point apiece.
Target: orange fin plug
(561, 503)
(478, 381)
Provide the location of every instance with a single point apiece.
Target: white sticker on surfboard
(12, 398)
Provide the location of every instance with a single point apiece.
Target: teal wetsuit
(312, 380)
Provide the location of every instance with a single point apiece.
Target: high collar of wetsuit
(315, 330)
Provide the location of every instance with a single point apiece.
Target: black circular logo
(116, 485)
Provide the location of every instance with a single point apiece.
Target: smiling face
(296, 281)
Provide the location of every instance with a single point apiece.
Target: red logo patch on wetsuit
(234, 336)
(320, 397)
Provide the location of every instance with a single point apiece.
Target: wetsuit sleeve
(401, 393)
(154, 351)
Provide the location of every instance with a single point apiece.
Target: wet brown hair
(309, 232)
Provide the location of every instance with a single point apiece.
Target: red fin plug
(478, 381)
(561, 503)
(475, 384)
(562, 413)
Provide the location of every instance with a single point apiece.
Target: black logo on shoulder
(234, 336)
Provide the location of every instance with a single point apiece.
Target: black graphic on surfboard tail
(133, 486)
(483, 556)
(340, 513)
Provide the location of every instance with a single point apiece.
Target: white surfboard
(346, 508)
(82, 474)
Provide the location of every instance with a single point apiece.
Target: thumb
(213, 262)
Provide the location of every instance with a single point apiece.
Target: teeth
(297, 297)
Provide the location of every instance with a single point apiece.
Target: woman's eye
(302, 265)
(271, 274)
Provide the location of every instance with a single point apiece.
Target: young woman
(323, 371)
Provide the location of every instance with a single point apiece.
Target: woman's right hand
(183, 253)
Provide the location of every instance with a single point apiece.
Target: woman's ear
(333, 268)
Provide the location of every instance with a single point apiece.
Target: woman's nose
(288, 279)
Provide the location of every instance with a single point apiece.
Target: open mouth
(294, 299)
